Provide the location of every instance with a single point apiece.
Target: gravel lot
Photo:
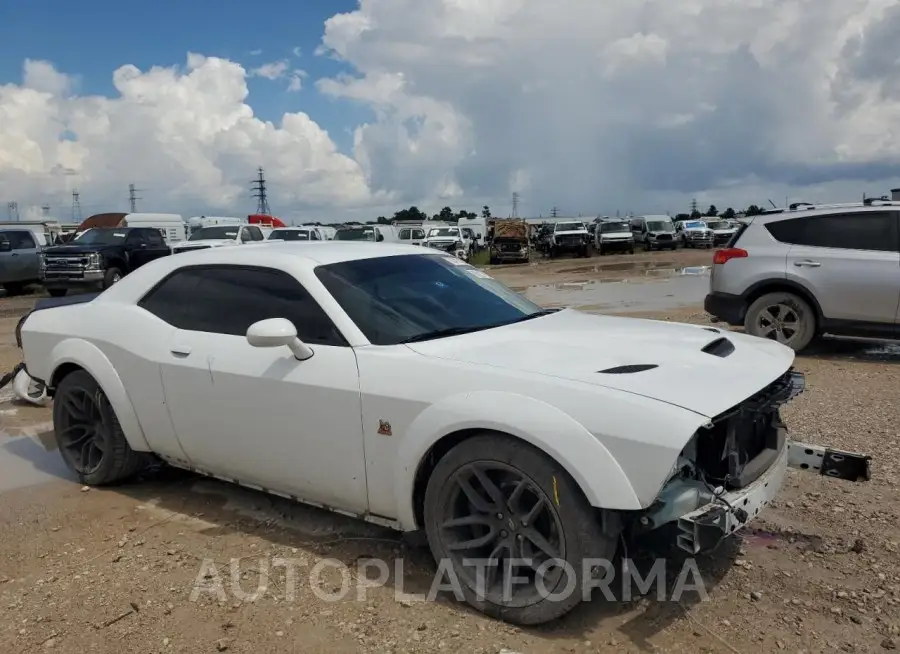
(113, 570)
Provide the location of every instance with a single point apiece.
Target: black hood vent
(629, 369)
(721, 347)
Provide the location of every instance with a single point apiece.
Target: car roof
(810, 210)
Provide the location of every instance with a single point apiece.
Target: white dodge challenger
(410, 389)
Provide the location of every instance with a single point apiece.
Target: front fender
(556, 433)
(88, 356)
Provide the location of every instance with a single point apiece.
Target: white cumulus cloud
(589, 106)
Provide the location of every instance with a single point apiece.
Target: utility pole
(132, 197)
(515, 205)
(262, 198)
(76, 206)
(554, 212)
(13, 209)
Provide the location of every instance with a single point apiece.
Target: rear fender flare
(556, 433)
(88, 356)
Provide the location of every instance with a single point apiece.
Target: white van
(410, 235)
(170, 225)
(199, 222)
(377, 233)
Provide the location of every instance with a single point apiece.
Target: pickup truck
(19, 259)
(510, 242)
(99, 258)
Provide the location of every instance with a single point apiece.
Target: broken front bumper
(705, 527)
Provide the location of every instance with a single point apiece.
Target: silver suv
(794, 274)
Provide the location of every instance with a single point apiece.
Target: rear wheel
(783, 317)
(88, 433)
(14, 288)
(493, 513)
(112, 276)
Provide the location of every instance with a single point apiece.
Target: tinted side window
(850, 231)
(418, 233)
(20, 240)
(314, 235)
(136, 237)
(256, 234)
(228, 299)
(155, 238)
(405, 234)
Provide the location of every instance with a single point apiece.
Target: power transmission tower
(693, 205)
(259, 186)
(554, 212)
(45, 211)
(133, 198)
(13, 209)
(515, 205)
(76, 206)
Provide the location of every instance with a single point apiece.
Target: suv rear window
(873, 230)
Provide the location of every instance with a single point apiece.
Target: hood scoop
(628, 369)
(721, 347)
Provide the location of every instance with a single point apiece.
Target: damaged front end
(735, 465)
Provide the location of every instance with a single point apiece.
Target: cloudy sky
(358, 109)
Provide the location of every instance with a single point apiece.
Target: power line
(259, 186)
(13, 209)
(76, 206)
(133, 198)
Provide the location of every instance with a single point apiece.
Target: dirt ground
(113, 570)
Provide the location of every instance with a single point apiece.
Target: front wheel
(493, 514)
(90, 438)
(782, 317)
(112, 276)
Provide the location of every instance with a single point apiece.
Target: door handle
(180, 350)
(806, 263)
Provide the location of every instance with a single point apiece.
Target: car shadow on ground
(622, 608)
(834, 349)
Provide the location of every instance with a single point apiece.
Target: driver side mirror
(278, 332)
(5, 246)
(379, 238)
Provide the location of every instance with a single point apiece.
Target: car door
(136, 246)
(258, 415)
(849, 261)
(156, 245)
(23, 257)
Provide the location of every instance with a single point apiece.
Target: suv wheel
(782, 317)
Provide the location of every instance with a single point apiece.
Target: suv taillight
(726, 255)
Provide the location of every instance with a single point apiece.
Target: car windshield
(221, 232)
(694, 224)
(607, 228)
(659, 226)
(355, 235)
(569, 227)
(418, 297)
(443, 232)
(102, 237)
(289, 235)
(718, 224)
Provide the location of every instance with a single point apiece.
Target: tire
(14, 288)
(631, 251)
(789, 304)
(111, 277)
(576, 532)
(57, 292)
(79, 400)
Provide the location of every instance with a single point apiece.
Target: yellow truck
(510, 242)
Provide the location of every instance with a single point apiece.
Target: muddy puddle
(30, 457)
(654, 288)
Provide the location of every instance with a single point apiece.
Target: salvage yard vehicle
(614, 236)
(795, 274)
(375, 233)
(99, 258)
(219, 236)
(510, 242)
(449, 239)
(413, 390)
(694, 233)
(568, 237)
(20, 254)
(655, 232)
(722, 231)
(293, 234)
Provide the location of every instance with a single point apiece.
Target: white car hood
(573, 345)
